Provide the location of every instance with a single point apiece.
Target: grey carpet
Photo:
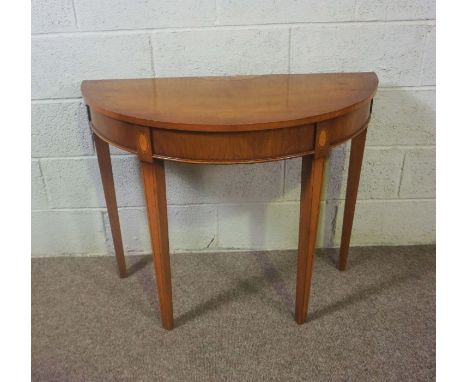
(234, 319)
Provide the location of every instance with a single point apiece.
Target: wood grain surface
(239, 103)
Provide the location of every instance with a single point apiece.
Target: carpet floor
(234, 318)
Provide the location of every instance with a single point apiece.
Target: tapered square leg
(105, 168)
(311, 186)
(154, 184)
(354, 173)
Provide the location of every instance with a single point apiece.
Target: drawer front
(233, 147)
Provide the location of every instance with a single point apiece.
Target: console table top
(230, 104)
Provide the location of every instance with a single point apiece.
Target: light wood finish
(154, 184)
(105, 168)
(311, 186)
(354, 173)
(227, 120)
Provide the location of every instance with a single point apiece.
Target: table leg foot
(155, 192)
(311, 186)
(105, 168)
(354, 173)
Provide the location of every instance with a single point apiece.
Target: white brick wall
(393, 50)
(243, 206)
(220, 52)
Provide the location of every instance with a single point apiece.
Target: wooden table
(228, 120)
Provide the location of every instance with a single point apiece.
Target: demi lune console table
(228, 120)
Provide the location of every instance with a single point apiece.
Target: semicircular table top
(239, 103)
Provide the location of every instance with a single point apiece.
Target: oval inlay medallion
(143, 143)
(322, 138)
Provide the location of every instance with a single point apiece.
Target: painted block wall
(214, 208)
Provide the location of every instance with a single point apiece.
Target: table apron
(229, 147)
